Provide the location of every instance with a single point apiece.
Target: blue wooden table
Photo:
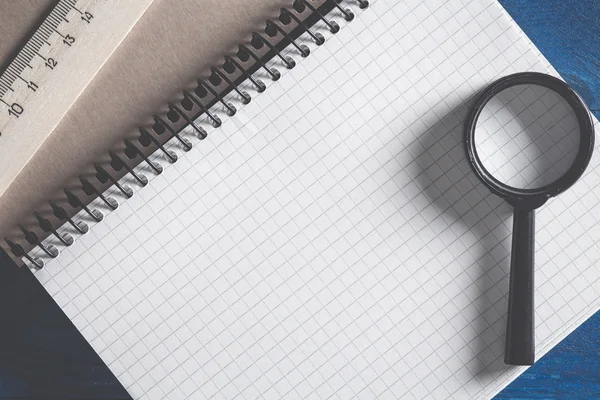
(567, 32)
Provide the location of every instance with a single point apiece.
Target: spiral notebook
(328, 240)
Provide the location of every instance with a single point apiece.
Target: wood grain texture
(567, 32)
(571, 370)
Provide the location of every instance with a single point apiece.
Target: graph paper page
(330, 239)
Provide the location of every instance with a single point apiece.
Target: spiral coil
(185, 113)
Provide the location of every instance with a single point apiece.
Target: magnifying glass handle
(520, 342)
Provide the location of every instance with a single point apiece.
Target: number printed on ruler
(37, 60)
(52, 70)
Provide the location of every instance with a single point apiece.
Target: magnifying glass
(528, 137)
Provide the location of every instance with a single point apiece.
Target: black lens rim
(531, 198)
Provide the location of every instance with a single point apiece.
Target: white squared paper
(330, 239)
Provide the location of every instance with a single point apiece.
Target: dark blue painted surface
(567, 32)
(570, 370)
(42, 354)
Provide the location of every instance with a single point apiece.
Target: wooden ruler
(52, 69)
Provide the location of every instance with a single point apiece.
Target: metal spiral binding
(231, 65)
(244, 54)
(242, 93)
(286, 16)
(132, 151)
(161, 131)
(76, 202)
(117, 164)
(88, 188)
(18, 251)
(35, 240)
(300, 4)
(61, 214)
(47, 227)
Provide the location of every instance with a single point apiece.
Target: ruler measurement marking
(66, 8)
(29, 49)
(34, 46)
(38, 42)
(55, 22)
(49, 25)
(62, 15)
(30, 56)
(25, 108)
(52, 19)
(60, 10)
(21, 78)
(8, 86)
(7, 81)
(60, 34)
(47, 31)
(13, 73)
(63, 7)
(4, 87)
(14, 76)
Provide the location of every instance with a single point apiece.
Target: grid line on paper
(336, 249)
(526, 134)
(345, 83)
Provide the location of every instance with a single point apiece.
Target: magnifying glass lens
(527, 136)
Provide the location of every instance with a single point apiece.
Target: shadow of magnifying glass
(528, 137)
